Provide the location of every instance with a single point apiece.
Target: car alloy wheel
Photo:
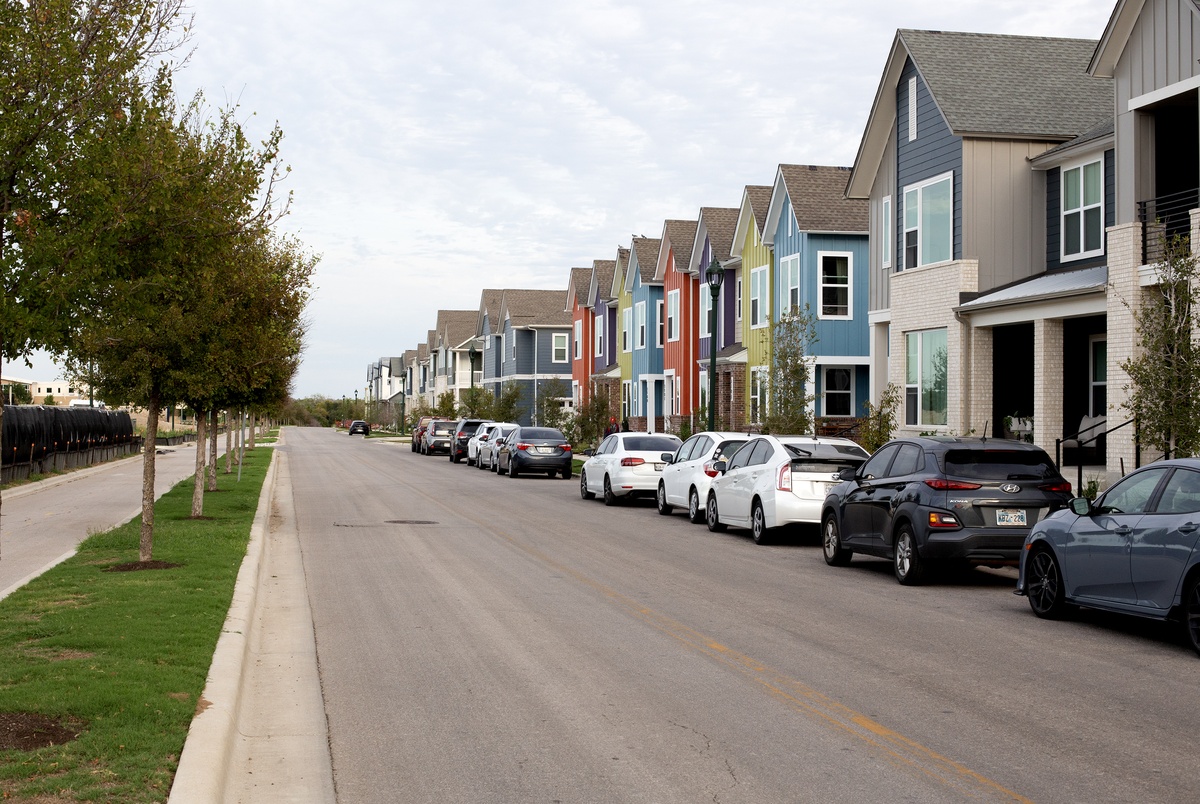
(583, 488)
(758, 523)
(1191, 612)
(695, 515)
(712, 516)
(609, 497)
(512, 469)
(660, 499)
(831, 543)
(1044, 586)
(906, 560)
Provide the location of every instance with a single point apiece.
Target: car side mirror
(589, 452)
(720, 467)
(668, 457)
(1081, 506)
(847, 473)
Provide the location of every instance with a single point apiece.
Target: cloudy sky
(440, 148)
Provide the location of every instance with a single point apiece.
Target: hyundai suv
(924, 500)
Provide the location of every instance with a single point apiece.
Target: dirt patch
(26, 731)
(179, 696)
(137, 566)
(59, 655)
(201, 704)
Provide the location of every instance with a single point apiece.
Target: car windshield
(542, 432)
(726, 449)
(651, 444)
(845, 454)
(442, 428)
(996, 464)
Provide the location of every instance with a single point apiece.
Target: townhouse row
(985, 253)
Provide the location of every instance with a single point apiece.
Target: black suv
(463, 430)
(923, 500)
(359, 426)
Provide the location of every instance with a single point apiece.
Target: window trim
(673, 327)
(821, 285)
(760, 287)
(885, 234)
(598, 329)
(1081, 211)
(738, 301)
(705, 310)
(758, 395)
(825, 392)
(627, 330)
(578, 339)
(639, 325)
(918, 386)
(659, 323)
(789, 266)
(1092, 384)
(919, 188)
(555, 339)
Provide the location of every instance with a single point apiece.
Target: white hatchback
(689, 472)
(625, 465)
(773, 481)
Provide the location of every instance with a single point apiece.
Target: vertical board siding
(1054, 216)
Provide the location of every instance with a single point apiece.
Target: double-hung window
(925, 377)
(760, 297)
(833, 282)
(598, 323)
(738, 301)
(639, 325)
(790, 268)
(705, 309)
(838, 391)
(659, 323)
(560, 349)
(1083, 210)
(673, 315)
(758, 394)
(929, 221)
(579, 339)
(888, 244)
(627, 330)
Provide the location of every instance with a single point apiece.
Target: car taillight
(462, 433)
(785, 478)
(522, 446)
(950, 485)
(632, 461)
(937, 520)
(565, 447)
(1061, 485)
(708, 469)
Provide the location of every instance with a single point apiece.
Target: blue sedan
(1132, 551)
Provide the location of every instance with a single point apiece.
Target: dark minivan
(923, 500)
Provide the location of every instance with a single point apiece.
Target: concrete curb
(204, 764)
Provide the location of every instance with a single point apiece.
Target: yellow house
(755, 278)
(623, 347)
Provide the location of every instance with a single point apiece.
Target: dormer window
(1083, 210)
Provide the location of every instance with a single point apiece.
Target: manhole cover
(409, 522)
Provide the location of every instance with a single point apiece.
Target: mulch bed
(135, 566)
(25, 731)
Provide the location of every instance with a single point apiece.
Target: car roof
(944, 443)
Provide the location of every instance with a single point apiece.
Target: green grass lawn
(122, 656)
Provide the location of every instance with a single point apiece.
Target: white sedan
(773, 481)
(689, 472)
(625, 465)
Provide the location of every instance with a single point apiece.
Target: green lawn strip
(124, 653)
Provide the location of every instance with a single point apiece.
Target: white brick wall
(1047, 382)
(1124, 297)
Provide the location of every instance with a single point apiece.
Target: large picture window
(1083, 210)
(834, 284)
(925, 378)
(760, 297)
(929, 222)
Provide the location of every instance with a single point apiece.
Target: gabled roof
(988, 85)
(1101, 135)
(602, 277)
(409, 356)
(456, 327)
(1116, 36)
(534, 308)
(619, 267)
(718, 225)
(819, 203)
(678, 237)
(645, 255)
(756, 199)
(489, 307)
(422, 352)
(577, 288)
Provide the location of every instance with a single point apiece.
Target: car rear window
(651, 444)
(727, 449)
(442, 427)
(541, 432)
(996, 464)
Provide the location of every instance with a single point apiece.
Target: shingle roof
(604, 270)
(818, 195)
(1026, 86)
(577, 289)
(1105, 128)
(647, 256)
(720, 223)
(528, 308)
(621, 266)
(682, 236)
(457, 326)
(489, 305)
(760, 199)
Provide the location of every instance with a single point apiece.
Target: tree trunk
(198, 477)
(253, 428)
(149, 450)
(212, 453)
(228, 442)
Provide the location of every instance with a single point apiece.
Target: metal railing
(1083, 442)
(1163, 218)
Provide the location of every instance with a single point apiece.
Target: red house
(582, 355)
(679, 336)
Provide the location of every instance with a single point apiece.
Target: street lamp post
(714, 275)
(473, 354)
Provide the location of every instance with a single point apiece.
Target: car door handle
(1124, 530)
(1187, 527)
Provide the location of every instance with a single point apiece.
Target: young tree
(446, 406)
(547, 406)
(593, 418)
(1165, 371)
(877, 427)
(476, 402)
(510, 404)
(790, 383)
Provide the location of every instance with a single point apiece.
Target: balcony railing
(1162, 219)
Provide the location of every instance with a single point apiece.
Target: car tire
(500, 470)
(583, 489)
(453, 456)
(831, 543)
(1191, 612)
(906, 561)
(660, 499)
(695, 514)
(512, 470)
(1044, 584)
(758, 524)
(713, 517)
(609, 498)
(566, 474)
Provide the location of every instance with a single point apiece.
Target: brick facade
(731, 396)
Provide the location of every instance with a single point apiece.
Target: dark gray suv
(923, 500)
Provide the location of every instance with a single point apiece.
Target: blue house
(647, 378)
(820, 242)
(535, 346)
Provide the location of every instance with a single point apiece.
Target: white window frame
(912, 109)
(598, 325)
(885, 234)
(789, 267)
(825, 391)
(626, 396)
(659, 323)
(635, 398)
(705, 307)
(673, 315)
(627, 330)
(912, 387)
(821, 285)
(760, 294)
(560, 341)
(579, 339)
(703, 395)
(1092, 383)
(738, 302)
(1081, 210)
(639, 325)
(758, 400)
(919, 189)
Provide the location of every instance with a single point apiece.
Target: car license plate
(545, 450)
(1010, 516)
(658, 467)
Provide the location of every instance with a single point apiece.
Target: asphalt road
(482, 639)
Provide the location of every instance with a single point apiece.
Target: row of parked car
(919, 502)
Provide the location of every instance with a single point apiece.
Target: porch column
(1047, 382)
(981, 383)
(1124, 298)
(649, 400)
